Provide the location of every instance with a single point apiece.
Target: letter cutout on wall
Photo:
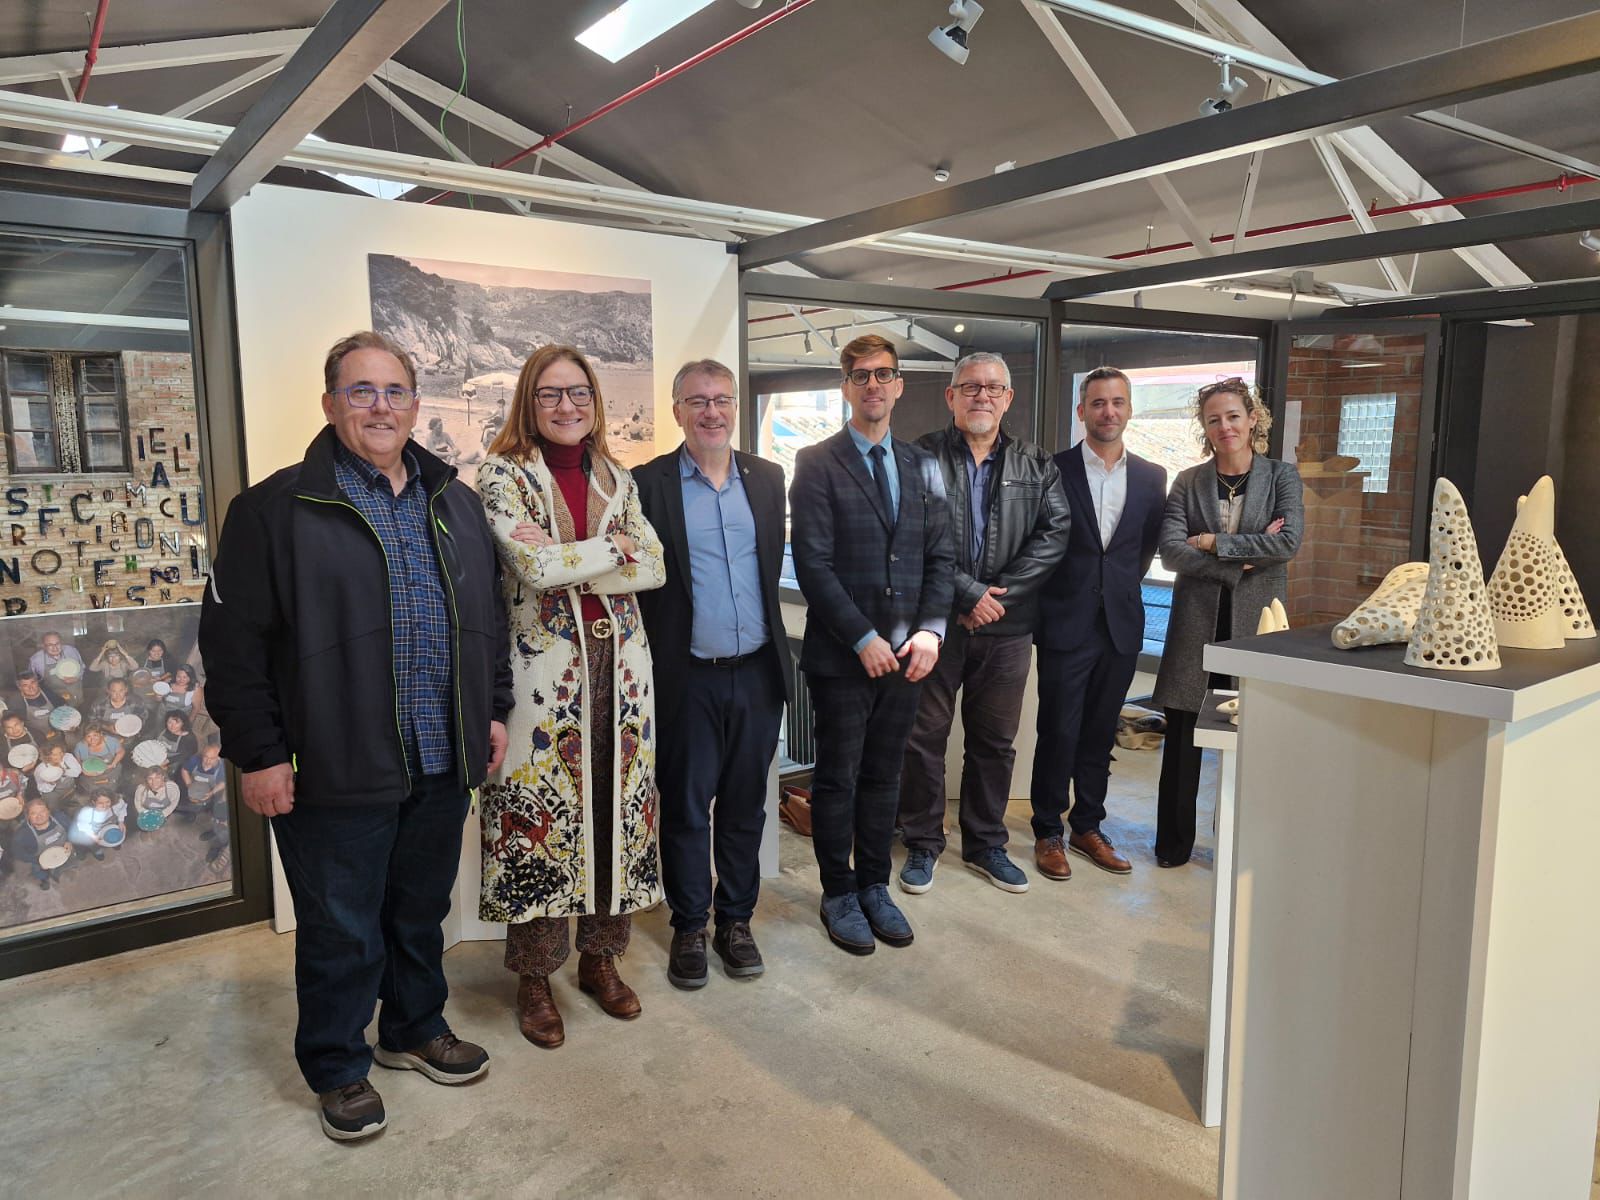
(1454, 630)
(1389, 614)
(1524, 591)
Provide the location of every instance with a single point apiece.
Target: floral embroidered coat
(537, 809)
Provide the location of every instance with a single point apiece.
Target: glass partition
(113, 797)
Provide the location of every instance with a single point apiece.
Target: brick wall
(103, 540)
(1353, 537)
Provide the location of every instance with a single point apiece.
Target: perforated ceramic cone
(1267, 622)
(1387, 615)
(1454, 630)
(1575, 619)
(1525, 590)
(1280, 615)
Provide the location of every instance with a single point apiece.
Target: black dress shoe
(1168, 864)
(686, 964)
(736, 947)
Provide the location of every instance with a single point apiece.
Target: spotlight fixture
(951, 40)
(750, 3)
(1590, 240)
(1227, 91)
(808, 344)
(941, 174)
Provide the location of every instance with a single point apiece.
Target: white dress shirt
(1108, 486)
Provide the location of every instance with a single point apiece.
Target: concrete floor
(1039, 1045)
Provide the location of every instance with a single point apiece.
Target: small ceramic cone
(1387, 615)
(1279, 614)
(1454, 630)
(1525, 589)
(1575, 619)
(1267, 624)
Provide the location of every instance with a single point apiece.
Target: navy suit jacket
(1093, 578)
(858, 571)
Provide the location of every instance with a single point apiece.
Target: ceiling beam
(206, 99)
(351, 41)
(1523, 59)
(1340, 178)
(1111, 112)
(152, 56)
(1548, 221)
(418, 122)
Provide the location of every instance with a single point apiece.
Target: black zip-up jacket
(1026, 535)
(298, 639)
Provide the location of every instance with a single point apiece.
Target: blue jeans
(371, 887)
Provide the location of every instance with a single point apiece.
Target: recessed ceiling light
(960, 328)
(636, 23)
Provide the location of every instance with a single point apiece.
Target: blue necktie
(881, 474)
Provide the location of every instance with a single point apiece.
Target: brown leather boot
(537, 1015)
(597, 975)
(1050, 856)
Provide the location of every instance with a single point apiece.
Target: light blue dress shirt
(724, 572)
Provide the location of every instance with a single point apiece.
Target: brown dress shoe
(597, 975)
(537, 1015)
(1095, 846)
(1051, 858)
(794, 810)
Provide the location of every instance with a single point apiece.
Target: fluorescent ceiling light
(635, 23)
(72, 143)
(383, 189)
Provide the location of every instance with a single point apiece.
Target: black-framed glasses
(550, 397)
(993, 390)
(364, 395)
(860, 375)
(722, 403)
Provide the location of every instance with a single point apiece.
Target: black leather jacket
(1026, 533)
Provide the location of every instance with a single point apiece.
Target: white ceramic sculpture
(1389, 613)
(1273, 619)
(1575, 617)
(1454, 630)
(1279, 613)
(1524, 590)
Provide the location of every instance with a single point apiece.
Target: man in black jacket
(872, 555)
(1009, 521)
(355, 637)
(722, 669)
(1091, 625)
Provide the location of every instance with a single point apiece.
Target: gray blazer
(1192, 507)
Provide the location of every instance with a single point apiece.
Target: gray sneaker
(846, 924)
(916, 876)
(999, 870)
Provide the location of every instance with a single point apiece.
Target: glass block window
(1366, 431)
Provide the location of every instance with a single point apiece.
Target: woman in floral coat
(569, 820)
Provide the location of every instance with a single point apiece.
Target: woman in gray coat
(1231, 526)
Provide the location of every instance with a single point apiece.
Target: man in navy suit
(1091, 625)
(874, 560)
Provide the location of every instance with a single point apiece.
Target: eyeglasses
(364, 395)
(993, 390)
(550, 397)
(701, 403)
(860, 376)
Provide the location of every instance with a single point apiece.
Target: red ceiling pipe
(653, 82)
(93, 52)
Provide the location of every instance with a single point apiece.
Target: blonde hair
(519, 437)
(1254, 405)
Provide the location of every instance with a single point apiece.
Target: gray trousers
(990, 674)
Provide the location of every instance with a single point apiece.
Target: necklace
(1234, 487)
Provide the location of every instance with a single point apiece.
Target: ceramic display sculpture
(1454, 630)
(1279, 613)
(1574, 612)
(1273, 618)
(1389, 613)
(1525, 590)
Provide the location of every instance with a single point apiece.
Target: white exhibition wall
(301, 283)
(300, 271)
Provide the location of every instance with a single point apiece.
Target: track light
(808, 344)
(1227, 91)
(1590, 240)
(951, 40)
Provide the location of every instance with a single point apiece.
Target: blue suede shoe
(887, 921)
(846, 924)
(999, 870)
(916, 876)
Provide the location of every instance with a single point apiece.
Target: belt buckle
(600, 628)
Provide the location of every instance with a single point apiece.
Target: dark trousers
(990, 673)
(861, 728)
(1081, 692)
(1181, 761)
(717, 744)
(371, 885)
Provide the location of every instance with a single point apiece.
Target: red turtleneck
(566, 468)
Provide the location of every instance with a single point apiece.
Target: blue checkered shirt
(418, 607)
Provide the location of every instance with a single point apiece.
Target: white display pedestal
(1414, 970)
(1213, 731)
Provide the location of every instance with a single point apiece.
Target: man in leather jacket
(1009, 520)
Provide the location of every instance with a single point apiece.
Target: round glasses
(550, 397)
(860, 375)
(364, 395)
